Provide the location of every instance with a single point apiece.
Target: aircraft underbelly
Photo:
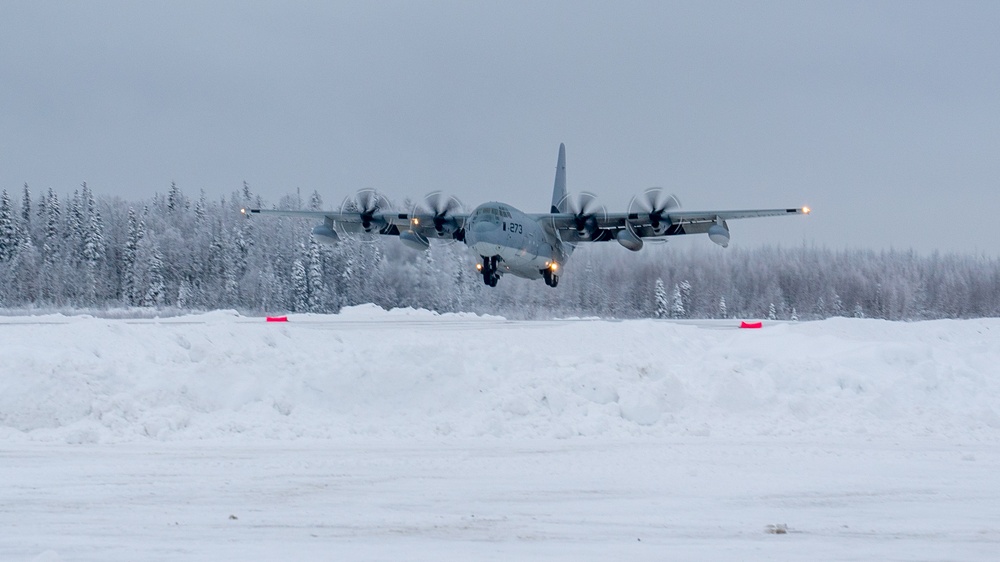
(520, 261)
(523, 262)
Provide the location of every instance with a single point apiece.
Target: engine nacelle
(325, 235)
(719, 233)
(414, 240)
(629, 239)
(350, 228)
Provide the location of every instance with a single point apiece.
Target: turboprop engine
(719, 233)
(626, 237)
(325, 235)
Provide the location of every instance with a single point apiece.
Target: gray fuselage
(524, 247)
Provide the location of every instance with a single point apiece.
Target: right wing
(630, 228)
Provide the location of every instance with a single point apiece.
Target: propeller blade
(585, 208)
(654, 203)
(366, 203)
(440, 206)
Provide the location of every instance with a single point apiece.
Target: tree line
(174, 252)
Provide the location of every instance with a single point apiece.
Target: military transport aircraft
(528, 245)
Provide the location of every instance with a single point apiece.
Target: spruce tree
(175, 199)
(93, 233)
(52, 222)
(315, 202)
(201, 208)
(300, 286)
(26, 208)
(315, 276)
(130, 267)
(686, 297)
(184, 294)
(156, 288)
(74, 230)
(662, 307)
(8, 232)
(677, 307)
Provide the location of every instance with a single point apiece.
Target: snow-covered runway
(684, 499)
(404, 435)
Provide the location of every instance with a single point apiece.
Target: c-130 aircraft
(528, 245)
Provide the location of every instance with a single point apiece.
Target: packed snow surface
(406, 434)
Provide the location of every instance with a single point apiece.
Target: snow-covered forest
(175, 251)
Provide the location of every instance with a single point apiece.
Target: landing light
(243, 211)
(479, 267)
(554, 266)
(416, 221)
(806, 210)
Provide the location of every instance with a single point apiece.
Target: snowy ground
(405, 435)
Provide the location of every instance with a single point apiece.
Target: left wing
(630, 228)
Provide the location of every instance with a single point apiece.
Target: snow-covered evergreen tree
(156, 288)
(8, 231)
(677, 305)
(201, 208)
(93, 246)
(662, 307)
(772, 314)
(175, 199)
(130, 267)
(686, 297)
(820, 309)
(838, 305)
(300, 285)
(26, 208)
(315, 277)
(723, 311)
(25, 267)
(53, 219)
(184, 294)
(315, 202)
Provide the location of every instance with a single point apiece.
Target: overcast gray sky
(882, 116)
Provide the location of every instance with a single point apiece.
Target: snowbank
(369, 373)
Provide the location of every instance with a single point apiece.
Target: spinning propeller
(366, 203)
(441, 207)
(655, 204)
(586, 211)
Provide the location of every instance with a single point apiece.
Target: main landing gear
(551, 279)
(489, 270)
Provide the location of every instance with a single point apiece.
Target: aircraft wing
(601, 227)
(387, 223)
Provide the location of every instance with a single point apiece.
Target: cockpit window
(492, 214)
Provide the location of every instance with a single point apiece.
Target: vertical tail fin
(559, 190)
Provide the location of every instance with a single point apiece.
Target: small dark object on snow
(233, 518)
